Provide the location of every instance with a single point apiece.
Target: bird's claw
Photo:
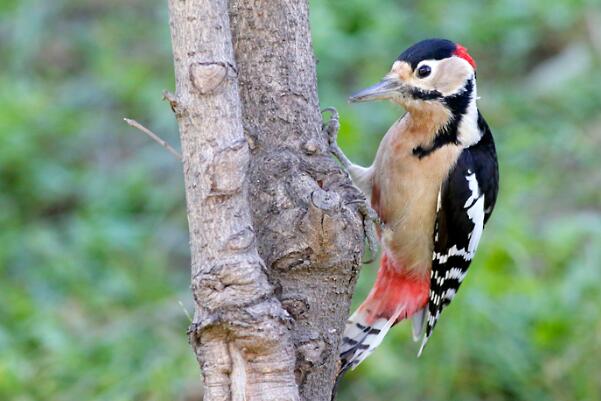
(330, 128)
(370, 222)
(370, 217)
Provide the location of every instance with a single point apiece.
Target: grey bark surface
(275, 236)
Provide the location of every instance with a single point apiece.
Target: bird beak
(385, 89)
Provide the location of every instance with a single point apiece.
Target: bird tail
(397, 294)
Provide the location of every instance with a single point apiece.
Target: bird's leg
(330, 128)
(360, 176)
(370, 217)
(370, 220)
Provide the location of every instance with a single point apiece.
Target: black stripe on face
(422, 94)
(457, 104)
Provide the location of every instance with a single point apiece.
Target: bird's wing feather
(466, 202)
(459, 225)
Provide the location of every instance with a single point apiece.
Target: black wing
(466, 201)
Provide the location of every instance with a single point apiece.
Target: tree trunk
(258, 177)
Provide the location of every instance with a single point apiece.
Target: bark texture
(239, 331)
(308, 231)
(266, 327)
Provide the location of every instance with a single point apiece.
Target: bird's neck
(468, 131)
(451, 122)
(427, 119)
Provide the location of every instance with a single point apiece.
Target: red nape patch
(461, 51)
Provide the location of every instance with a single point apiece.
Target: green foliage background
(93, 238)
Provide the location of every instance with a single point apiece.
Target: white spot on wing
(449, 294)
(475, 212)
(455, 274)
(453, 251)
(431, 321)
(472, 183)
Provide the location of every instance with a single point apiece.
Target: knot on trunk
(242, 240)
(326, 200)
(230, 283)
(228, 170)
(206, 76)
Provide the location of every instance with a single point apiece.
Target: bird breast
(406, 188)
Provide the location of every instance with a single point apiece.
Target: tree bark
(258, 177)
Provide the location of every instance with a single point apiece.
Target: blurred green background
(93, 237)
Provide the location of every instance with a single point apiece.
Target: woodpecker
(433, 185)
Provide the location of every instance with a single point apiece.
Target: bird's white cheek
(451, 76)
(427, 84)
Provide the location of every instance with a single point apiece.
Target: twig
(170, 97)
(155, 137)
(185, 310)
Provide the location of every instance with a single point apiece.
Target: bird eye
(424, 71)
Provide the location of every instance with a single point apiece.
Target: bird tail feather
(396, 295)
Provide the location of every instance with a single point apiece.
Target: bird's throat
(457, 125)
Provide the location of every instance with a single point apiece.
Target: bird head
(433, 70)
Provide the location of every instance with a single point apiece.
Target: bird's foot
(330, 128)
(370, 222)
(369, 215)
